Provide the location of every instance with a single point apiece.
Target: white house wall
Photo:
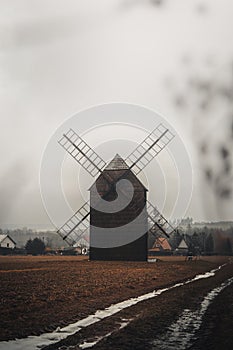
(7, 243)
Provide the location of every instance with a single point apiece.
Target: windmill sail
(82, 153)
(76, 226)
(149, 148)
(159, 225)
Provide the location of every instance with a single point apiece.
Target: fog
(60, 57)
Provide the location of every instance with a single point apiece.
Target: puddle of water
(87, 344)
(181, 333)
(39, 342)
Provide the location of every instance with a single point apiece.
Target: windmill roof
(117, 168)
(117, 163)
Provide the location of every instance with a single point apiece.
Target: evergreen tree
(209, 244)
(228, 247)
(35, 246)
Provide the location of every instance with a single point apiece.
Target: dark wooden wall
(136, 250)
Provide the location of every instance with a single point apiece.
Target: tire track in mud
(181, 334)
(216, 329)
(135, 328)
(111, 321)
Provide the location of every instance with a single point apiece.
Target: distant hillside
(224, 225)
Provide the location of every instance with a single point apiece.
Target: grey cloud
(40, 31)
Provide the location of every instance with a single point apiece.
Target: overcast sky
(59, 57)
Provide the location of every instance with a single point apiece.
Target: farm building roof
(161, 244)
(2, 237)
(183, 244)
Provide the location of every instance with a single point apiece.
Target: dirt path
(139, 326)
(216, 330)
(51, 292)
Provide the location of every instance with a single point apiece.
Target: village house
(7, 242)
(161, 246)
(182, 248)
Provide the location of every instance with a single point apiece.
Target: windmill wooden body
(135, 249)
(118, 218)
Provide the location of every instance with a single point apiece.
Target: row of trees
(205, 240)
(35, 246)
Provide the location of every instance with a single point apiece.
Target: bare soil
(151, 318)
(39, 294)
(216, 330)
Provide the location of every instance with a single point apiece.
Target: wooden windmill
(112, 234)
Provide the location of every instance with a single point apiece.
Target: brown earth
(216, 330)
(151, 318)
(41, 293)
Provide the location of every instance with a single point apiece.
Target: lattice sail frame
(149, 148)
(74, 228)
(82, 153)
(157, 222)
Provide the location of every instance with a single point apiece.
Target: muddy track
(215, 332)
(139, 326)
(62, 291)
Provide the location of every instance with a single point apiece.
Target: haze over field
(59, 57)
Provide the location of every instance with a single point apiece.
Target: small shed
(7, 242)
